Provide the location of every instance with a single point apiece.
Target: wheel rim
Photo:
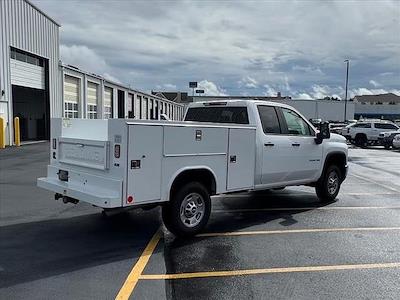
(192, 209)
(333, 182)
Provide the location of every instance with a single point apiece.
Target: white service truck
(221, 147)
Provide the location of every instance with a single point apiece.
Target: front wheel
(328, 186)
(188, 211)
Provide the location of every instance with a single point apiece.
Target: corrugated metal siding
(26, 28)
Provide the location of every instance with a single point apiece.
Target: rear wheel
(188, 211)
(361, 140)
(328, 186)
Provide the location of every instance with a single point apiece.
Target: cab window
(295, 124)
(227, 114)
(269, 119)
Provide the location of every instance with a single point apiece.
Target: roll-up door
(71, 96)
(27, 74)
(108, 102)
(92, 100)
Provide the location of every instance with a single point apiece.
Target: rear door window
(386, 126)
(227, 114)
(362, 125)
(269, 119)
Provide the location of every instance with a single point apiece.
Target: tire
(188, 211)
(328, 185)
(361, 140)
(387, 146)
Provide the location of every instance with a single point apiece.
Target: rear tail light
(117, 151)
(129, 199)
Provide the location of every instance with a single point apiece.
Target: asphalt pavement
(275, 244)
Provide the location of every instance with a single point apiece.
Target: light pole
(347, 84)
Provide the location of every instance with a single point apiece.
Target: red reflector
(130, 199)
(117, 151)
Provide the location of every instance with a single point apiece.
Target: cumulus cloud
(169, 86)
(153, 43)
(270, 91)
(304, 96)
(248, 82)
(83, 57)
(374, 83)
(111, 78)
(211, 89)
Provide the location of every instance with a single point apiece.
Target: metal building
(87, 95)
(29, 72)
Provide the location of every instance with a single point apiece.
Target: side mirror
(324, 132)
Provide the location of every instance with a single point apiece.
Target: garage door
(92, 100)
(27, 74)
(108, 101)
(71, 96)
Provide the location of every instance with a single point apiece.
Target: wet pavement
(275, 244)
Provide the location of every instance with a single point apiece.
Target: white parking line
(240, 210)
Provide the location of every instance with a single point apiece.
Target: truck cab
(287, 148)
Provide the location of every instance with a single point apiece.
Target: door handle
(269, 144)
(296, 145)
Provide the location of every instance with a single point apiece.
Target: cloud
(270, 92)
(211, 89)
(169, 86)
(111, 78)
(374, 83)
(83, 57)
(297, 49)
(304, 96)
(248, 82)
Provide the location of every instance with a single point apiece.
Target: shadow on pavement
(32, 251)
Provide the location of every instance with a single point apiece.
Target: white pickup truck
(221, 147)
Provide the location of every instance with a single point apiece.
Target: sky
(235, 47)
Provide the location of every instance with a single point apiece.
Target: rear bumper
(95, 190)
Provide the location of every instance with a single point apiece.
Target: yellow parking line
(133, 277)
(268, 271)
(311, 230)
(239, 210)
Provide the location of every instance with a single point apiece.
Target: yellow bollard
(2, 134)
(17, 136)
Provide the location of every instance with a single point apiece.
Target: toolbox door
(144, 163)
(241, 158)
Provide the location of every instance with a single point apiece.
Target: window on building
(26, 57)
(108, 102)
(71, 96)
(92, 92)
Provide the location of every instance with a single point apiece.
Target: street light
(347, 83)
